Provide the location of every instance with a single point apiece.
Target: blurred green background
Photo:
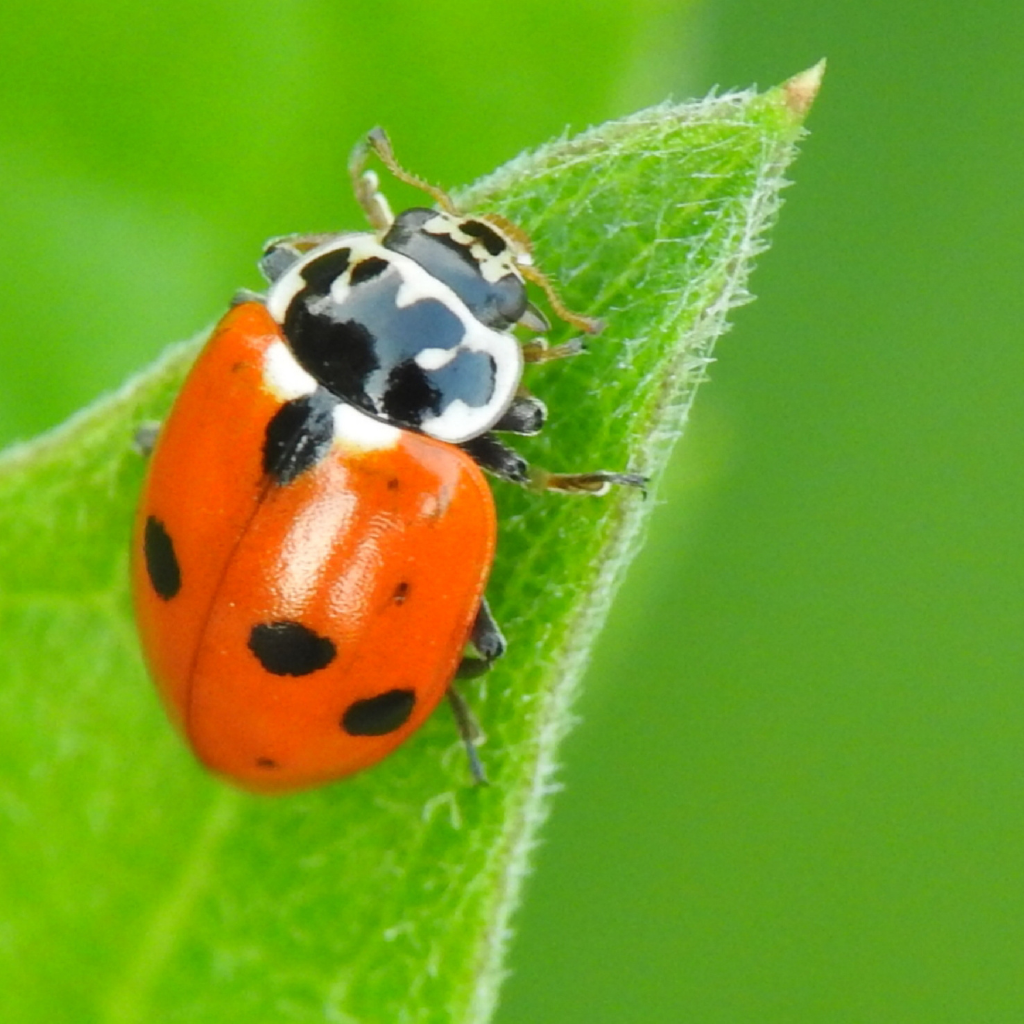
(798, 794)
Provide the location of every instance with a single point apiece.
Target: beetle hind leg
(469, 732)
(488, 642)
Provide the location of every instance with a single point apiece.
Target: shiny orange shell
(381, 553)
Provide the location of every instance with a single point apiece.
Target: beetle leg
(526, 415)
(599, 482)
(486, 635)
(537, 350)
(469, 732)
(488, 640)
(144, 440)
(498, 459)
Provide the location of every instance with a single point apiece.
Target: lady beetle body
(315, 533)
(303, 606)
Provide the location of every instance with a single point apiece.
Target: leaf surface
(135, 887)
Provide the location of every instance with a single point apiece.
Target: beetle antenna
(379, 142)
(589, 325)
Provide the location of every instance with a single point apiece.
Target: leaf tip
(800, 91)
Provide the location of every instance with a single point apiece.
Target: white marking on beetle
(355, 429)
(417, 285)
(435, 358)
(283, 291)
(460, 422)
(283, 375)
(492, 267)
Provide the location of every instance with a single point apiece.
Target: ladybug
(315, 532)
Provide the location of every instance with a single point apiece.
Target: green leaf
(136, 888)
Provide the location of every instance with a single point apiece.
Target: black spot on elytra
(367, 270)
(161, 562)
(492, 241)
(266, 762)
(401, 593)
(377, 716)
(288, 648)
(393, 484)
(298, 436)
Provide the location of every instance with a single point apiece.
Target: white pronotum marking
(435, 358)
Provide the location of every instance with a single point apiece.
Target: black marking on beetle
(409, 396)
(460, 249)
(266, 762)
(288, 648)
(497, 304)
(401, 592)
(364, 348)
(394, 484)
(298, 436)
(492, 241)
(161, 561)
(321, 273)
(490, 454)
(377, 716)
(367, 270)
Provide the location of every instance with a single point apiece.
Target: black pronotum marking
(367, 270)
(377, 716)
(401, 593)
(298, 435)
(322, 272)
(288, 648)
(409, 393)
(161, 562)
